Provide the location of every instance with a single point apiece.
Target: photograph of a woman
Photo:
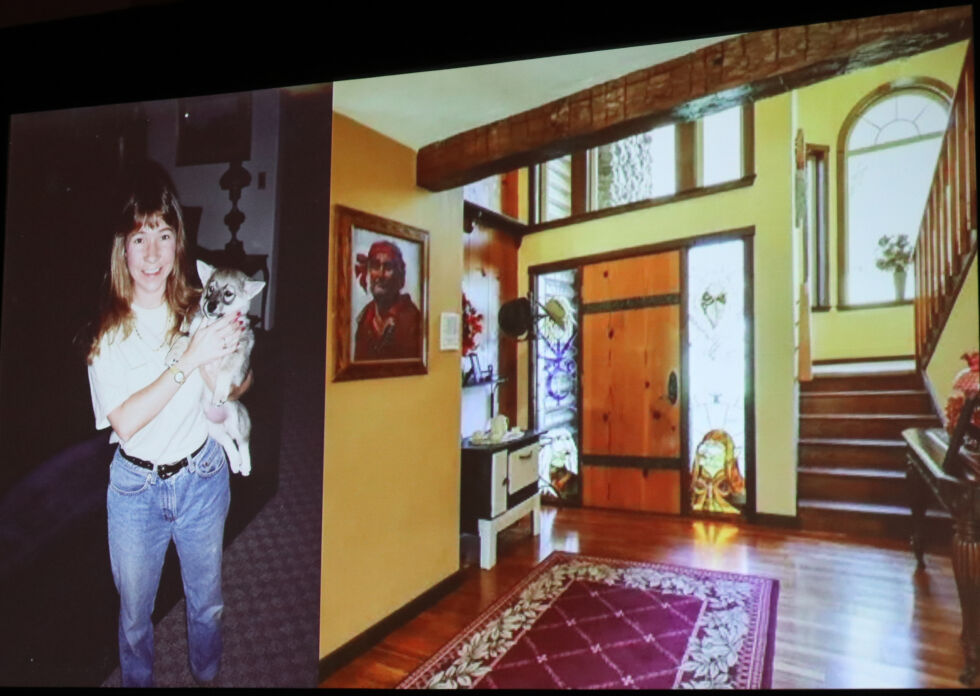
(168, 479)
(131, 553)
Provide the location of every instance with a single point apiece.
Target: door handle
(672, 387)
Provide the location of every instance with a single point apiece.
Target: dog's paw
(244, 469)
(234, 461)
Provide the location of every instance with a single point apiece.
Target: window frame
(687, 175)
(540, 190)
(936, 88)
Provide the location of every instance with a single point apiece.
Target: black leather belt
(164, 471)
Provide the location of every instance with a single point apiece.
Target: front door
(632, 428)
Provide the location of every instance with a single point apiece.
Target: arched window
(886, 153)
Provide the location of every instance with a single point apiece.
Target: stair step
(853, 485)
(863, 425)
(907, 401)
(858, 453)
(870, 381)
(869, 519)
(855, 473)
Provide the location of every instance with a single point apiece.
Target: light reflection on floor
(548, 541)
(716, 547)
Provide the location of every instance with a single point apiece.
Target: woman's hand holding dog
(214, 341)
(208, 343)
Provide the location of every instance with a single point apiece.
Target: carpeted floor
(271, 574)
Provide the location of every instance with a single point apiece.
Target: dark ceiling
(19, 12)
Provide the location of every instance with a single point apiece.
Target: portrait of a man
(388, 327)
(382, 289)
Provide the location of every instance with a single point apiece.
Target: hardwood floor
(851, 614)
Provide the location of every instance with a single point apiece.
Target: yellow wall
(391, 446)
(765, 205)
(822, 110)
(960, 335)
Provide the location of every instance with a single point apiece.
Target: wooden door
(632, 431)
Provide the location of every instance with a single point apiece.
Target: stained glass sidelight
(556, 385)
(717, 334)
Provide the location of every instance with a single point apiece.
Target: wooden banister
(947, 240)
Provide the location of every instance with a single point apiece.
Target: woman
(168, 479)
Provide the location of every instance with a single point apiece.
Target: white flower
(736, 619)
(720, 681)
(722, 644)
(729, 592)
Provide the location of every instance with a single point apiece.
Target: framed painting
(382, 290)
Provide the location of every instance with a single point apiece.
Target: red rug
(580, 622)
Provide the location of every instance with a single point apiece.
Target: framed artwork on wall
(382, 290)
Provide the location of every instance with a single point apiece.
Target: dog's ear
(253, 288)
(204, 272)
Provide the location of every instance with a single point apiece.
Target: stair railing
(947, 239)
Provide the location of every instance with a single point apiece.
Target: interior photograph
(705, 308)
(648, 365)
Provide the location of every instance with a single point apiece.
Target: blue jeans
(145, 513)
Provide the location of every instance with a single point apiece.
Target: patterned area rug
(582, 622)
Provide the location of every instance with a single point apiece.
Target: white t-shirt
(126, 365)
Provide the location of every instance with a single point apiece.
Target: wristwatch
(177, 373)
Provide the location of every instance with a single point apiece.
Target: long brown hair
(149, 193)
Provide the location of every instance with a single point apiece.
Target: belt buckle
(165, 471)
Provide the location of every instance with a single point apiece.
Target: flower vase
(899, 285)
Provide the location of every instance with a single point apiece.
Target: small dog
(225, 291)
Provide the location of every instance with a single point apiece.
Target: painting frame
(354, 229)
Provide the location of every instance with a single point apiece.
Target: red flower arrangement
(472, 325)
(966, 383)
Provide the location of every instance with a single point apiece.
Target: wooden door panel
(628, 357)
(640, 276)
(621, 488)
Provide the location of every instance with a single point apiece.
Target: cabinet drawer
(522, 467)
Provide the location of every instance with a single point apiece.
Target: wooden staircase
(851, 472)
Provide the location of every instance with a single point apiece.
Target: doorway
(657, 381)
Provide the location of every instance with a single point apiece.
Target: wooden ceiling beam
(744, 68)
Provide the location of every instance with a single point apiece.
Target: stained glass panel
(717, 334)
(556, 386)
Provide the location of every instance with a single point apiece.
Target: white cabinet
(499, 485)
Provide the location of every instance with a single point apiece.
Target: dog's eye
(229, 295)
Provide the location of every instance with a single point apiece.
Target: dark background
(57, 55)
(57, 600)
